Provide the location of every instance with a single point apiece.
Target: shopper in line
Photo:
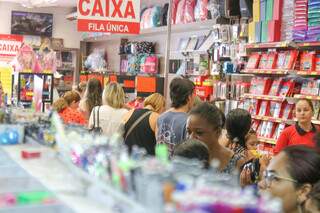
(171, 125)
(302, 132)
(140, 124)
(92, 97)
(205, 123)
(312, 204)
(81, 88)
(291, 175)
(67, 107)
(109, 116)
(193, 149)
(238, 125)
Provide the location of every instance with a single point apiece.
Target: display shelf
(240, 74)
(264, 97)
(310, 97)
(266, 71)
(316, 122)
(271, 45)
(267, 140)
(309, 44)
(178, 28)
(307, 73)
(276, 120)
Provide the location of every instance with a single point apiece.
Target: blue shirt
(171, 129)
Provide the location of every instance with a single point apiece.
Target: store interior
(208, 106)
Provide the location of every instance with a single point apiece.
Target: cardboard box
(264, 31)
(274, 32)
(258, 32)
(269, 10)
(277, 10)
(256, 10)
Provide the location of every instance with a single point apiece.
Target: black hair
(193, 149)
(238, 124)
(303, 164)
(314, 194)
(210, 113)
(180, 90)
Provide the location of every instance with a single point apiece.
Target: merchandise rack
(267, 71)
(264, 97)
(267, 140)
(276, 120)
(274, 73)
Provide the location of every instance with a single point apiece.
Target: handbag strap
(136, 123)
(94, 117)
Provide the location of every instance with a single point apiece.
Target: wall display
(26, 23)
(109, 16)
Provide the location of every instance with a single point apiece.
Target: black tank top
(142, 135)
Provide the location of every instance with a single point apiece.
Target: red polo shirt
(294, 135)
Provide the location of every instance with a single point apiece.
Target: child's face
(252, 142)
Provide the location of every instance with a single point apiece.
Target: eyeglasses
(269, 176)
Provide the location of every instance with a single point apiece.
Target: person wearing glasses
(291, 175)
(303, 132)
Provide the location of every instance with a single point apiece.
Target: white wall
(62, 28)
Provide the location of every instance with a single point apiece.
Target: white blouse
(110, 119)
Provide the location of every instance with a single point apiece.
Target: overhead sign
(114, 16)
(10, 45)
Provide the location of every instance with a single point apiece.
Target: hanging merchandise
(26, 60)
(181, 8)
(164, 15)
(151, 17)
(96, 61)
(189, 11)
(201, 10)
(174, 11)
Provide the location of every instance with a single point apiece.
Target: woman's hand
(245, 177)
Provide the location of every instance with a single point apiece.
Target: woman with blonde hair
(108, 116)
(140, 124)
(67, 107)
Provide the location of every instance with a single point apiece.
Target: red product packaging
(255, 125)
(286, 88)
(263, 61)
(189, 11)
(287, 110)
(274, 32)
(307, 61)
(291, 58)
(272, 60)
(317, 62)
(253, 61)
(275, 87)
(30, 154)
(264, 108)
(277, 9)
(275, 109)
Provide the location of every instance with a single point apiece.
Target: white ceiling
(60, 3)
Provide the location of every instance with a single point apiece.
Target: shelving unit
(266, 71)
(276, 120)
(262, 47)
(267, 140)
(264, 97)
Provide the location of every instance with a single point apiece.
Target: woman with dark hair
(193, 149)
(238, 125)
(205, 123)
(303, 132)
(92, 97)
(291, 175)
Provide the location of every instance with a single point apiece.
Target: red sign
(10, 45)
(114, 16)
